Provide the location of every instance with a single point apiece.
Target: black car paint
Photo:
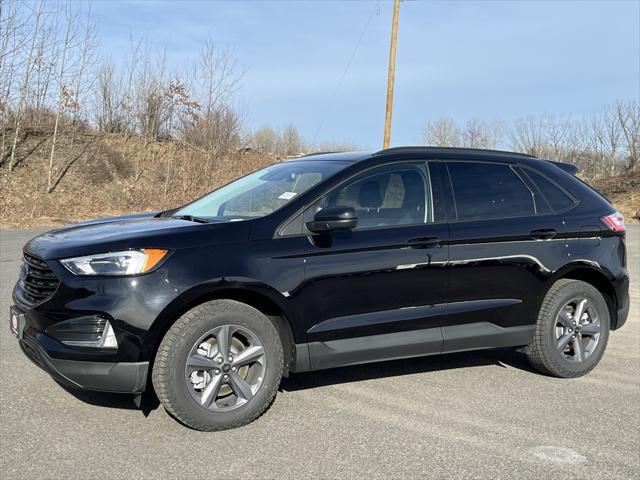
(349, 297)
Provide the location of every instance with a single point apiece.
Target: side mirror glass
(333, 218)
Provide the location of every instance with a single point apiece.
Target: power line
(375, 11)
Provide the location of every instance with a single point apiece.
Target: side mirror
(333, 218)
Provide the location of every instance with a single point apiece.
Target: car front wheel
(218, 366)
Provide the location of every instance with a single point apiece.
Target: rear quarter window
(557, 199)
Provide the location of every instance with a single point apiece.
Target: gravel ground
(482, 415)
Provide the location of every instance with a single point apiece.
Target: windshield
(261, 192)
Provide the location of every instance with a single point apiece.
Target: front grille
(37, 280)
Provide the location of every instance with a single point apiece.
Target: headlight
(130, 262)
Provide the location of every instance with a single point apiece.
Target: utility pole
(392, 73)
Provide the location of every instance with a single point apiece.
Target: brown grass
(623, 191)
(112, 174)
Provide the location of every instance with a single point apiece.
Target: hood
(132, 231)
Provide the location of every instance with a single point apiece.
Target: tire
(175, 383)
(556, 321)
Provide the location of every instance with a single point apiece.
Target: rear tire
(572, 330)
(218, 366)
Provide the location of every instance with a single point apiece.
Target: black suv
(324, 261)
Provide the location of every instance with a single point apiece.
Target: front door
(378, 291)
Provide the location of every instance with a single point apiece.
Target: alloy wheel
(225, 368)
(577, 329)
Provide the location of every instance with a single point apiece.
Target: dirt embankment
(99, 175)
(623, 191)
(110, 174)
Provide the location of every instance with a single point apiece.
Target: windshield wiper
(191, 218)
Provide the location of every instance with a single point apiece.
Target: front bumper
(120, 377)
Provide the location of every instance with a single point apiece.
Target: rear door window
(485, 191)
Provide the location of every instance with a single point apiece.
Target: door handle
(543, 234)
(424, 242)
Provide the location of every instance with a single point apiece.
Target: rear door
(378, 291)
(505, 241)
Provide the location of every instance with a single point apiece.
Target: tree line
(604, 144)
(53, 80)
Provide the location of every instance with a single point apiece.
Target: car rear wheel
(218, 366)
(572, 330)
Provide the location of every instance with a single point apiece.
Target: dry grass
(623, 191)
(110, 174)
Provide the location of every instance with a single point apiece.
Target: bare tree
(442, 132)
(38, 14)
(594, 141)
(218, 127)
(110, 117)
(628, 115)
(527, 136)
(265, 139)
(152, 109)
(612, 139)
(480, 134)
(82, 79)
(555, 131)
(473, 135)
(44, 63)
(290, 141)
(64, 94)
(217, 76)
(12, 37)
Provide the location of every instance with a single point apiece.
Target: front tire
(572, 330)
(218, 366)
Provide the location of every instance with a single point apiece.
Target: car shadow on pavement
(504, 358)
(147, 402)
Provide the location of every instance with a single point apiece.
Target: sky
(492, 60)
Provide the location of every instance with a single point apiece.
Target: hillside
(623, 191)
(111, 174)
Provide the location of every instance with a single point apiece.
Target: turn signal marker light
(154, 255)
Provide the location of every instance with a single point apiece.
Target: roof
(417, 151)
(333, 156)
(450, 151)
(428, 153)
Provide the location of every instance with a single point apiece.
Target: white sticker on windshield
(287, 195)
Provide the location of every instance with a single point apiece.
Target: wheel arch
(258, 299)
(599, 278)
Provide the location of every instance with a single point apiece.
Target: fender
(582, 265)
(595, 274)
(251, 291)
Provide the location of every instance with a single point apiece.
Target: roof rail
(317, 153)
(450, 149)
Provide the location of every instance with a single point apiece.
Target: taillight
(615, 222)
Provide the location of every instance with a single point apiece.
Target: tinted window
(385, 196)
(484, 191)
(558, 200)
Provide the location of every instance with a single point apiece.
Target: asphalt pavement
(469, 415)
